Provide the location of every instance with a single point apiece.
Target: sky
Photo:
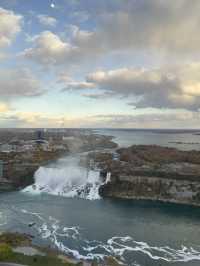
(92, 64)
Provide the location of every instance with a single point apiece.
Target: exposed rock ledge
(153, 188)
(152, 173)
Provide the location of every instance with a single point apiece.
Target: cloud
(79, 86)
(4, 108)
(173, 119)
(48, 49)
(158, 26)
(38, 119)
(3, 56)
(161, 26)
(46, 20)
(70, 84)
(80, 16)
(148, 120)
(18, 83)
(10, 25)
(175, 87)
(170, 119)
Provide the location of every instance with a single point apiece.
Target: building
(6, 148)
(1, 169)
(39, 137)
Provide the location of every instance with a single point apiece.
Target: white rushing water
(67, 178)
(117, 246)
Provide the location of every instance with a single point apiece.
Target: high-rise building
(1, 169)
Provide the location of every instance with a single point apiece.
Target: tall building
(39, 137)
(1, 169)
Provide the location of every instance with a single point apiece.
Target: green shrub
(5, 252)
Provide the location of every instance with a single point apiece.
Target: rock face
(153, 188)
(19, 168)
(153, 173)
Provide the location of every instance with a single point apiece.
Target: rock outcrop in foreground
(152, 173)
(18, 248)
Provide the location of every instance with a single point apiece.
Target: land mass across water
(150, 172)
(138, 172)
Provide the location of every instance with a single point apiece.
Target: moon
(52, 5)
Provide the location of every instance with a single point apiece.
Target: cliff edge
(151, 173)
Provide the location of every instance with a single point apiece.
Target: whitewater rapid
(116, 246)
(67, 178)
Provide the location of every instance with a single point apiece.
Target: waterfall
(67, 178)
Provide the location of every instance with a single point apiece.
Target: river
(66, 212)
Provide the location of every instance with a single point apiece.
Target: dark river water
(136, 232)
(140, 233)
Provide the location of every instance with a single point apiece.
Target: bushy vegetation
(139, 154)
(34, 260)
(5, 252)
(10, 240)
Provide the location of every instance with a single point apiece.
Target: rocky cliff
(19, 168)
(152, 173)
(153, 188)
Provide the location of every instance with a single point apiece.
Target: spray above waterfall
(67, 178)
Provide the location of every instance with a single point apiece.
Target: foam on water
(117, 246)
(71, 240)
(67, 178)
(3, 220)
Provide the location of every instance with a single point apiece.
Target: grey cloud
(173, 119)
(18, 83)
(96, 95)
(175, 87)
(153, 24)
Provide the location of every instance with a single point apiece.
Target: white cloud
(47, 20)
(48, 49)
(10, 25)
(4, 107)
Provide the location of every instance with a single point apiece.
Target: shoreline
(18, 248)
(154, 201)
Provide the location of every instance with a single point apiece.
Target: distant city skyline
(92, 64)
